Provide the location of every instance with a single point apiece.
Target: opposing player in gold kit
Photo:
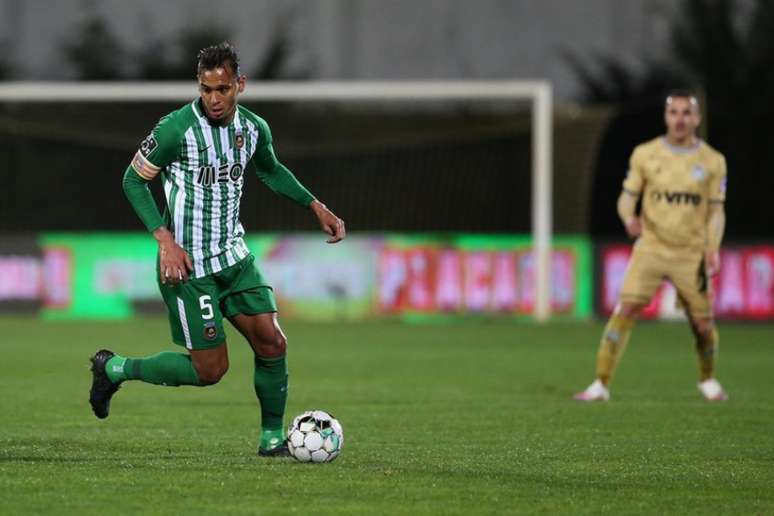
(682, 183)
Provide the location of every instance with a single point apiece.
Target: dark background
(393, 170)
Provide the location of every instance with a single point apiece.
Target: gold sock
(707, 351)
(612, 346)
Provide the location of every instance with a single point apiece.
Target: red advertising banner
(57, 272)
(425, 279)
(407, 279)
(744, 288)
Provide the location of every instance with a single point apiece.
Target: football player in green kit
(205, 271)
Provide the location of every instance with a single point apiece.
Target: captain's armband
(144, 168)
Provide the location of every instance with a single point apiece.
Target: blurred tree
(5, 70)
(732, 57)
(727, 51)
(612, 82)
(94, 52)
(155, 63)
(273, 64)
(6, 67)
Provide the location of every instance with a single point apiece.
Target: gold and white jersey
(677, 186)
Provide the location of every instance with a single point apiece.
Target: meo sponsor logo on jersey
(208, 176)
(148, 145)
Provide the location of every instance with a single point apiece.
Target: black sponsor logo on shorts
(210, 331)
(148, 145)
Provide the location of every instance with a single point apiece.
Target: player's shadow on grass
(33, 459)
(55, 451)
(62, 451)
(214, 403)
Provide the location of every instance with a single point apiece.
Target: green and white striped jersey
(202, 168)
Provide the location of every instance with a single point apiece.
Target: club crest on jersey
(210, 331)
(148, 145)
(239, 140)
(698, 172)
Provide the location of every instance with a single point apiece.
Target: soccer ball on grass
(315, 436)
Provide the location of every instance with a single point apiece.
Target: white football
(315, 436)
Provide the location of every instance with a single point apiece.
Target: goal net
(469, 157)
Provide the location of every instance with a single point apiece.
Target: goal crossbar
(538, 93)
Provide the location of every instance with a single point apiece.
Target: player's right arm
(627, 201)
(156, 151)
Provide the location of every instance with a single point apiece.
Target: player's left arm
(716, 218)
(276, 176)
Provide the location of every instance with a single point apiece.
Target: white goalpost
(538, 93)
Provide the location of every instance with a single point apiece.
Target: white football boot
(712, 390)
(594, 392)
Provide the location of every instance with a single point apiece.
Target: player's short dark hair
(683, 93)
(216, 56)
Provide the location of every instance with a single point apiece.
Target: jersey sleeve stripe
(143, 167)
(631, 192)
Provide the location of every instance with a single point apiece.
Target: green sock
(165, 368)
(114, 368)
(270, 439)
(271, 388)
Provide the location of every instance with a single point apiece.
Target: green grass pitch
(466, 418)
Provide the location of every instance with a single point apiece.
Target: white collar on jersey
(197, 110)
(682, 150)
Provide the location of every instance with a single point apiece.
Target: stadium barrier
(743, 289)
(412, 276)
(112, 275)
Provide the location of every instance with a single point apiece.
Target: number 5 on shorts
(205, 303)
